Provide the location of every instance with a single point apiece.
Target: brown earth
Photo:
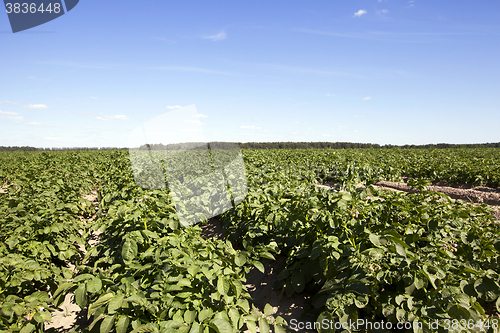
(478, 194)
(70, 316)
(260, 285)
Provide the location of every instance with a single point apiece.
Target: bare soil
(260, 285)
(70, 316)
(478, 194)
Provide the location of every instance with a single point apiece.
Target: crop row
(360, 253)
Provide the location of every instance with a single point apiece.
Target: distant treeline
(349, 145)
(26, 148)
(266, 145)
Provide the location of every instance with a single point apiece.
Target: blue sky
(387, 72)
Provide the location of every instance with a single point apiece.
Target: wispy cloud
(117, 117)
(12, 114)
(191, 69)
(360, 12)
(251, 127)
(36, 106)
(305, 70)
(173, 107)
(383, 11)
(35, 124)
(217, 37)
(201, 115)
(411, 3)
(78, 65)
(8, 102)
(194, 121)
(331, 95)
(366, 98)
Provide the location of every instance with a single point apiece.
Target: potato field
(75, 223)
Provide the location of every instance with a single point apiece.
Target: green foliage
(359, 252)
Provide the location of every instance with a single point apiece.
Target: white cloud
(173, 107)
(251, 127)
(52, 139)
(8, 102)
(36, 106)
(93, 97)
(117, 117)
(200, 115)
(366, 98)
(3, 113)
(297, 122)
(217, 37)
(197, 121)
(383, 11)
(360, 12)
(331, 95)
(294, 133)
(35, 124)
(191, 130)
(31, 77)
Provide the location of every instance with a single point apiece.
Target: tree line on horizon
(267, 145)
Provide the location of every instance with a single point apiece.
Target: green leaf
(268, 310)
(258, 265)
(28, 328)
(263, 325)
(122, 324)
(81, 295)
(115, 303)
(346, 196)
(99, 303)
(267, 255)
(459, 312)
(144, 328)
(82, 277)
(419, 283)
(240, 259)
(375, 240)
(204, 314)
(107, 324)
(94, 285)
(252, 327)
(189, 316)
(223, 326)
(279, 329)
(129, 250)
(223, 286)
